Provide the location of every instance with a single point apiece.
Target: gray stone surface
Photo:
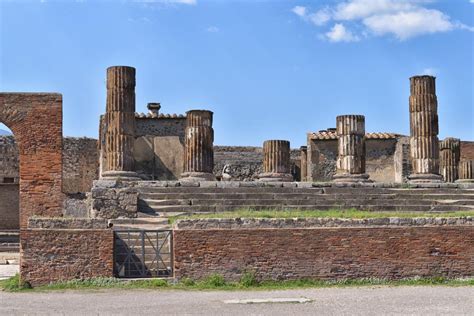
(114, 202)
(66, 223)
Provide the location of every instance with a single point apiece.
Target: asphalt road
(330, 301)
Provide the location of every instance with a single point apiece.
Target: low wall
(288, 249)
(60, 249)
(9, 206)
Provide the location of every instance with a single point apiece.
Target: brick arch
(36, 121)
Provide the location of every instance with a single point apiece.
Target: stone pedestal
(466, 171)
(424, 144)
(450, 153)
(276, 161)
(119, 124)
(304, 162)
(199, 146)
(350, 165)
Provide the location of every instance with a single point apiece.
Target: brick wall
(467, 150)
(326, 253)
(9, 201)
(59, 254)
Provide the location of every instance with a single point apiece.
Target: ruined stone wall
(78, 253)
(9, 164)
(325, 253)
(246, 162)
(467, 150)
(9, 206)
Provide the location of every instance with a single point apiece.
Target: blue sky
(268, 69)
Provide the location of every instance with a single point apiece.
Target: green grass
(217, 282)
(349, 213)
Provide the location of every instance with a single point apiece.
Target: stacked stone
(199, 146)
(304, 162)
(466, 171)
(350, 165)
(276, 161)
(450, 153)
(120, 123)
(424, 144)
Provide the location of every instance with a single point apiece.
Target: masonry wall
(467, 150)
(61, 253)
(326, 253)
(9, 167)
(9, 206)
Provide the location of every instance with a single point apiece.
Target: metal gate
(143, 253)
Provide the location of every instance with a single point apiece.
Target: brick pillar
(199, 146)
(276, 161)
(466, 171)
(304, 163)
(350, 165)
(450, 153)
(424, 144)
(119, 123)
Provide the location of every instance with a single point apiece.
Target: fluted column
(449, 155)
(350, 165)
(424, 144)
(304, 162)
(466, 171)
(119, 123)
(199, 150)
(276, 161)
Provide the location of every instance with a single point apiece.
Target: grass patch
(217, 282)
(349, 214)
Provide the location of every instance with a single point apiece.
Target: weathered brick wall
(9, 201)
(467, 150)
(326, 253)
(36, 121)
(59, 254)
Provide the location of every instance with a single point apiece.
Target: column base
(122, 175)
(464, 181)
(425, 178)
(198, 176)
(351, 178)
(275, 177)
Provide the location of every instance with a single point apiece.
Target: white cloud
(299, 10)
(213, 29)
(471, 1)
(339, 33)
(402, 19)
(430, 71)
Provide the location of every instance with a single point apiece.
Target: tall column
(450, 153)
(466, 171)
(350, 165)
(304, 163)
(119, 123)
(424, 144)
(198, 149)
(276, 161)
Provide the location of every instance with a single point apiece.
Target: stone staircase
(169, 201)
(9, 241)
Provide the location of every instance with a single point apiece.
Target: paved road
(331, 301)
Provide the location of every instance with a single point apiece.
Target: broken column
(450, 153)
(199, 146)
(276, 161)
(119, 123)
(304, 162)
(466, 171)
(350, 165)
(424, 144)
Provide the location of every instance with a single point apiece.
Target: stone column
(119, 123)
(276, 161)
(424, 144)
(199, 146)
(350, 165)
(304, 163)
(450, 153)
(466, 171)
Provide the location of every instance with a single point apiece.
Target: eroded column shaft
(304, 162)
(276, 161)
(350, 163)
(424, 144)
(450, 153)
(199, 142)
(119, 120)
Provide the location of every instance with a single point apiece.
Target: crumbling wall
(9, 206)
(9, 164)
